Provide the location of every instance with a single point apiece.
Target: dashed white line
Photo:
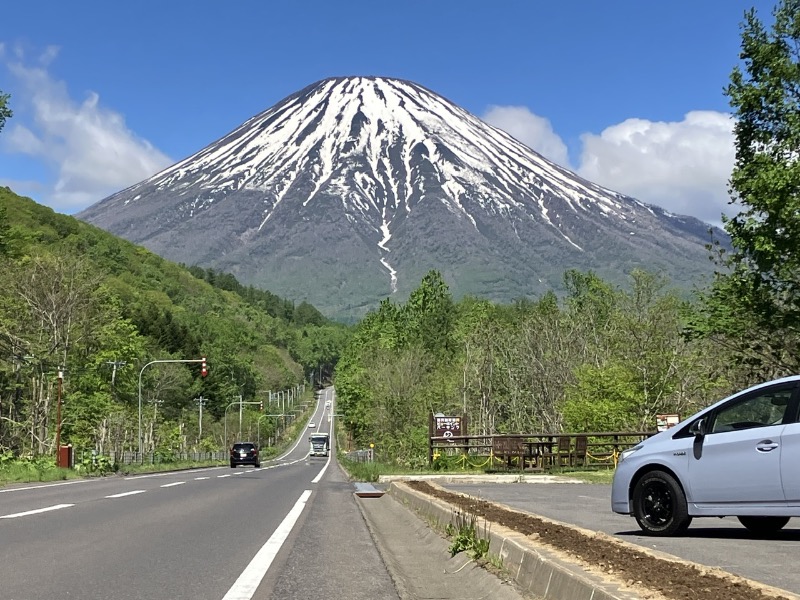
(173, 484)
(221, 476)
(201, 478)
(47, 485)
(37, 511)
(248, 582)
(126, 494)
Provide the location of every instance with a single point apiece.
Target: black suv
(244, 453)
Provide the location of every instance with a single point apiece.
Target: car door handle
(766, 446)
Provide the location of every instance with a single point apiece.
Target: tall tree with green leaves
(755, 303)
(5, 111)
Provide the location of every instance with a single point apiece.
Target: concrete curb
(534, 568)
(479, 478)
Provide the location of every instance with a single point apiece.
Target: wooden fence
(537, 451)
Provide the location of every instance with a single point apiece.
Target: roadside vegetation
(603, 357)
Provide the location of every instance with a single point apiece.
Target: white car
(736, 458)
(311, 425)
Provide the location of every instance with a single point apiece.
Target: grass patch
(33, 471)
(588, 475)
(366, 471)
(465, 537)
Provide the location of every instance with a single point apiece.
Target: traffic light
(203, 368)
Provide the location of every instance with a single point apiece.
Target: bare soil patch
(673, 580)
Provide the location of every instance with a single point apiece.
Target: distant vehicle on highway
(244, 453)
(311, 425)
(319, 444)
(738, 457)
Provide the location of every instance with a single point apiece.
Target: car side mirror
(698, 428)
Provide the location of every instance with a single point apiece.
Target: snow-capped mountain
(351, 189)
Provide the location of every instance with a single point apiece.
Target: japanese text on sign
(447, 426)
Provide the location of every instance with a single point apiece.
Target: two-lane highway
(208, 533)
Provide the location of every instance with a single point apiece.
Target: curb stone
(534, 568)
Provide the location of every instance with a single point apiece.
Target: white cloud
(682, 166)
(532, 130)
(88, 148)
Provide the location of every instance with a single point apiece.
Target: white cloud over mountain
(87, 151)
(681, 166)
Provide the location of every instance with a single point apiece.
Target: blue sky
(627, 93)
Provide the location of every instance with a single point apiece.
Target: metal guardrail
(149, 458)
(361, 456)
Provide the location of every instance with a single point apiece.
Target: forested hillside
(78, 301)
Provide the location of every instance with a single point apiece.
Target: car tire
(233, 465)
(659, 504)
(258, 465)
(764, 526)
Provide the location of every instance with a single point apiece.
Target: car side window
(760, 410)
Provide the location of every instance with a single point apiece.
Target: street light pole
(152, 362)
(225, 417)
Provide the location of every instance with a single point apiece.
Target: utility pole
(58, 419)
(114, 364)
(200, 401)
(240, 416)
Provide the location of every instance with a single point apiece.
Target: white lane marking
(201, 478)
(173, 484)
(36, 487)
(221, 476)
(165, 473)
(250, 579)
(37, 511)
(322, 471)
(126, 494)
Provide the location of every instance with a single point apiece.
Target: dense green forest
(96, 309)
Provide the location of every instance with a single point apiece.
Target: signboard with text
(447, 426)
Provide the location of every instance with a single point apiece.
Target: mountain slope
(350, 190)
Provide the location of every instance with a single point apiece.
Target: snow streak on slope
(380, 147)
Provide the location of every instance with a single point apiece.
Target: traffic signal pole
(203, 372)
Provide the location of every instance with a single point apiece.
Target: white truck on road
(320, 444)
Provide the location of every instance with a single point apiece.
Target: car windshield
(245, 447)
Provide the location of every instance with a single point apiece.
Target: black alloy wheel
(659, 504)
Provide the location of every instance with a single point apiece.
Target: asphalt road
(722, 543)
(219, 533)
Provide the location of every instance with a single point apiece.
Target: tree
(5, 111)
(760, 296)
(430, 314)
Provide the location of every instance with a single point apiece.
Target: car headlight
(626, 453)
